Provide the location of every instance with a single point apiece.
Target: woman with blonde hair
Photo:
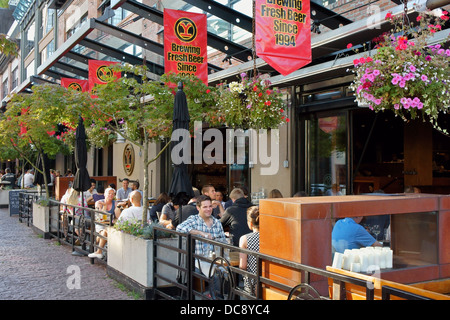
(250, 241)
(107, 205)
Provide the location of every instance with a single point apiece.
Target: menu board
(14, 201)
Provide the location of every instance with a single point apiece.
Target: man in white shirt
(28, 179)
(135, 211)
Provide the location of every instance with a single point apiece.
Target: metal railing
(76, 226)
(26, 200)
(224, 279)
(72, 225)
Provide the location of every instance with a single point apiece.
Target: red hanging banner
(283, 34)
(185, 43)
(100, 72)
(75, 84)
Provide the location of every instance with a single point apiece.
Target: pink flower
(402, 83)
(388, 16)
(376, 72)
(418, 18)
(428, 58)
(412, 68)
(349, 45)
(423, 78)
(396, 106)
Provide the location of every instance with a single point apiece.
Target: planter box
(41, 219)
(4, 198)
(132, 257)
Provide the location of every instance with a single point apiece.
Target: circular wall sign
(128, 159)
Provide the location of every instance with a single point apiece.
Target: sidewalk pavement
(33, 268)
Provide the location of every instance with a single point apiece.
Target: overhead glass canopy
(229, 32)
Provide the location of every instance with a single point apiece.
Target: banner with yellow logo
(185, 43)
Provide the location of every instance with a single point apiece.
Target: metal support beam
(72, 69)
(223, 12)
(231, 48)
(130, 37)
(121, 56)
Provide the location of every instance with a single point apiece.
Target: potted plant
(407, 75)
(251, 103)
(131, 253)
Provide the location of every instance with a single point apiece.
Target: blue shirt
(347, 234)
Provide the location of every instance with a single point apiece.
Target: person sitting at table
(210, 191)
(28, 179)
(107, 205)
(204, 225)
(88, 194)
(162, 199)
(250, 241)
(234, 219)
(349, 234)
(123, 192)
(168, 214)
(8, 180)
(100, 195)
(187, 210)
(135, 187)
(134, 212)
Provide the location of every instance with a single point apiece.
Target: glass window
(414, 238)
(5, 89)
(326, 155)
(50, 19)
(29, 39)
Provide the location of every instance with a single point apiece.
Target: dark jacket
(156, 208)
(235, 219)
(186, 211)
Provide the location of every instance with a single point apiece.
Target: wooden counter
(299, 230)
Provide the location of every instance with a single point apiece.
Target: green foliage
(8, 47)
(137, 229)
(250, 103)
(142, 108)
(407, 75)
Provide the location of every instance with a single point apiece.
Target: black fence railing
(218, 276)
(70, 224)
(26, 200)
(223, 279)
(79, 227)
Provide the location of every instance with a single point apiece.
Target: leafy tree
(141, 110)
(31, 121)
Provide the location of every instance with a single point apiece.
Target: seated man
(204, 225)
(8, 177)
(349, 234)
(134, 212)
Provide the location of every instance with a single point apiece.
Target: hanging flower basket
(250, 103)
(407, 75)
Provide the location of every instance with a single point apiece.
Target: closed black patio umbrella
(38, 176)
(180, 187)
(81, 182)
